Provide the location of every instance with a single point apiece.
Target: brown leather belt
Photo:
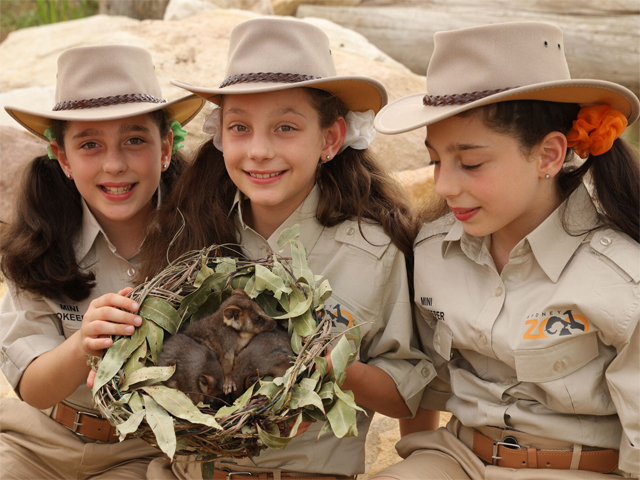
(511, 455)
(240, 474)
(85, 424)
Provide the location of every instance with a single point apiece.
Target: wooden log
(564, 7)
(605, 47)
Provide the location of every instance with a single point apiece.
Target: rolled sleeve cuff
(17, 357)
(434, 399)
(409, 379)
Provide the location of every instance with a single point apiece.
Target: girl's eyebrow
(282, 111)
(458, 147)
(133, 127)
(89, 132)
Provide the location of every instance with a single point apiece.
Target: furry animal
(267, 354)
(198, 370)
(230, 329)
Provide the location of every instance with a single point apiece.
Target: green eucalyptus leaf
(302, 397)
(305, 324)
(135, 402)
(340, 355)
(323, 292)
(341, 417)
(131, 425)
(136, 360)
(161, 424)
(238, 404)
(267, 280)
(113, 359)
(287, 235)
(325, 428)
(347, 397)
(296, 343)
(326, 391)
(148, 375)
(269, 304)
(195, 300)
(226, 265)
(180, 405)
(322, 365)
(208, 469)
(155, 339)
(269, 389)
(273, 441)
(204, 272)
(296, 425)
(295, 304)
(300, 263)
(160, 312)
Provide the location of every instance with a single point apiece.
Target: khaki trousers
(445, 454)
(34, 446)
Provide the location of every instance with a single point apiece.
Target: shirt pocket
(540, 365)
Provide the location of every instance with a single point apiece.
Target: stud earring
(164, 167)
(68, 175)
(547, 176)
(328, 157)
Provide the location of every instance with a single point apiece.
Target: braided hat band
(267, 77)
(107, 101)
(459, 98)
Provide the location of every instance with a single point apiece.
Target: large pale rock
(289, 7)
(179, 9)
(195, 50)
(17, 148)
(602, 39)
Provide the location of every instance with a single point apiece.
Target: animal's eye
(250, 380)
(258, 320)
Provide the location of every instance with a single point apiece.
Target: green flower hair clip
(51, 137)
(179, 134)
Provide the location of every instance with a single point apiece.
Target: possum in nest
(266, 355)
(230, 329)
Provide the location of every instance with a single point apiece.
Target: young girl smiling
(528, 291)
(282, 123)
(72, 244)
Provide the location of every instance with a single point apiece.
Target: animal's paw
(229, 386)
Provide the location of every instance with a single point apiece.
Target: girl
(533, 328)
(73, 243)
(286, 162)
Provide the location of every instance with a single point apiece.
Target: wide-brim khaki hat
(270, 54)
(106, 82)
(478, 66)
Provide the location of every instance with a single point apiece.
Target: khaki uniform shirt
(31, 325)
(551, 345)
(369, 283)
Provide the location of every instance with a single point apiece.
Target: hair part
(352, 186)
(615, 174)
(37, 244)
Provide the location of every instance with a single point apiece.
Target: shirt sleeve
(623, 379)
(28, 328)
(391, 344)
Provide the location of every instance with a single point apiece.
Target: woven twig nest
(129, 390)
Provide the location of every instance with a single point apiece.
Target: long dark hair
(615, 174)
(353, 185)
(37, 245)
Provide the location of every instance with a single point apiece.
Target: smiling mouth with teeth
(264, 175)
(117, 190)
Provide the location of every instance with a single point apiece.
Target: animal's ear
(240, 292)
(232, 313)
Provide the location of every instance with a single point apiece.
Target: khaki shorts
(445, 454)
(34, 446)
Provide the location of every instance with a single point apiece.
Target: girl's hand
(105, 318)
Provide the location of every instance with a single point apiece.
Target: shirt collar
(552, 246)
(91, 228)
(304, 215)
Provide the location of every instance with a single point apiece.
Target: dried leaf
(155, 339)
(302, 397)
(160, 312)
(111, 362)
(136, 360)
(161, 424)
(305, 324)
(340, 356)
(301, 268)
(225, 265)
(204, 272)
(287, 235)
(180, 405)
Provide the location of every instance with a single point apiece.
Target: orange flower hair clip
(595, 130)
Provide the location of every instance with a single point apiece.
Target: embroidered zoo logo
(339, 316)
(556, 324)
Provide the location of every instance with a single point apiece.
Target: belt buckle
(230, 473)
(508, 442)
(76, 421)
